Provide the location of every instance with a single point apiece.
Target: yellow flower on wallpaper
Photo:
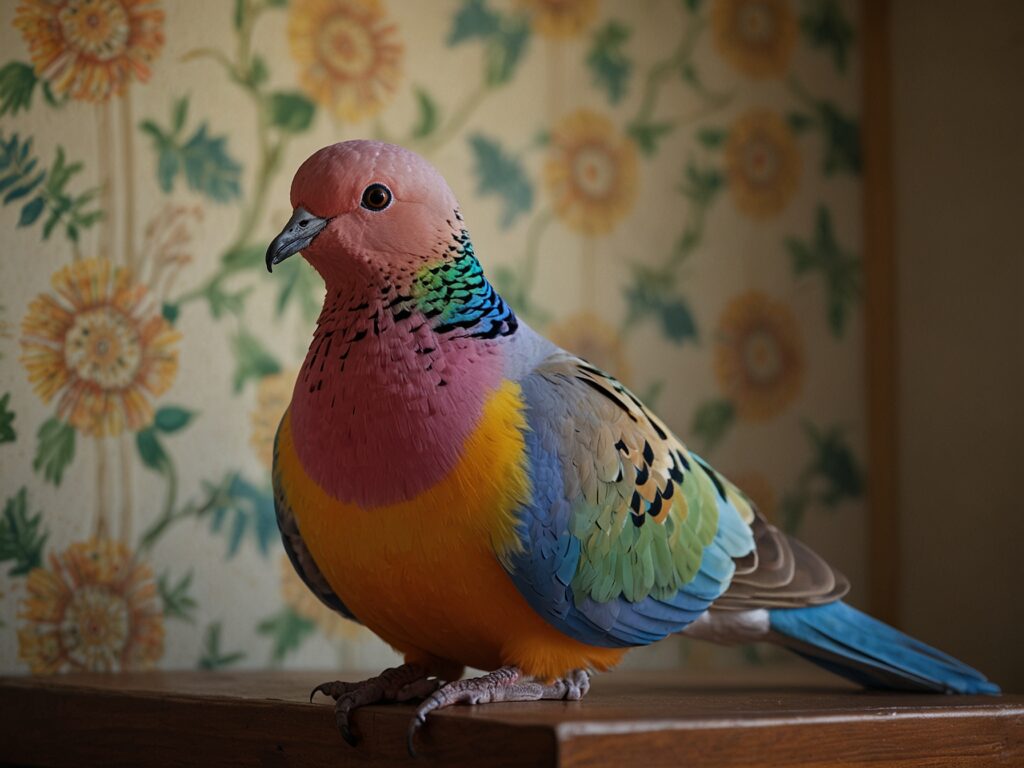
(758, 489)
(591, 172)
(96, 346)
(762, 163)
(273, 394)
(91, 49)
(348, 52)
(756, 36)
(560, 19)
(759, 358)
(297, 596)
(589, 336)
(94, 609)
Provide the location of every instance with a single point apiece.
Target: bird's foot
(505, 684)
(404, 683)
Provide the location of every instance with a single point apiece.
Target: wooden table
(648, 719)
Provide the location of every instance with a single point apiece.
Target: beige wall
(959, 173)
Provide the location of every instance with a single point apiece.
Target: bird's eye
(376, 197)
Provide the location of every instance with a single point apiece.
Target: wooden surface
(881, 354)
(665, 719)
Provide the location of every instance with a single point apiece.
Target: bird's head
(363, 208)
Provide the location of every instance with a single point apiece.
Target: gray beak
(297, 234)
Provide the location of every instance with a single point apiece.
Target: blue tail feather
(843, 640)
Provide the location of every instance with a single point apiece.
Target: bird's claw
(414, 725)
(348, 734)
(334, 689)
(399, 684)
(505, 684)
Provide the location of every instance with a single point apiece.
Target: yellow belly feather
(425, 574)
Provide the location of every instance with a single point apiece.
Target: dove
(478, 497)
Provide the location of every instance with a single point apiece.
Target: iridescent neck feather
(397, 374)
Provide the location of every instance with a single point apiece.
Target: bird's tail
(847, 642)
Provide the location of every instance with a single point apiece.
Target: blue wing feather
(543, 571)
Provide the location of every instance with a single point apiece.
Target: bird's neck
(455, 295)
(396, 378)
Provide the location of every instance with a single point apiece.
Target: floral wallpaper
(668, 187)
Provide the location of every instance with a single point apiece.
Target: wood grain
(262, 718)
(880, 318)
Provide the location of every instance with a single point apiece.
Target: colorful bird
(477, 496)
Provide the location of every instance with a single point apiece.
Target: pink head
(364, 208)
(403, 358)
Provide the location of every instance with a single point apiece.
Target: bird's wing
(295, 547)
(628, 536)
(781, 572)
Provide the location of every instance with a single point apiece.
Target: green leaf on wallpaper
(792, 510)
(842, 141)
(502, 174)
(55, 449)
(17, 83)
(238, 16)
(151, 450)
(302, 285)
(242, 510)
(244, 257)
(202, 159)
(170, 312)
(426, 123)
(711, 421)
(609, 66)
(799, 121)
(22, 536)
(31, 211)
(208, 167)
(839, 474)
(258, 73)
(840, 270)
(700, 185)
(840, 132)
(677, 320)
(172, 418)
(179, 113)
(505, 50)
(290, 111)
(712, 138)
(252, 360)
(213, 657)
(222, 301)
(825, 26)
(21, 177)
(72, 210)
(831, 476)
(286, 630)
(651, 295)
(7, 432)
(177, 602)
(505, 38)
(25, 179)
(474, 20)
(648, 134)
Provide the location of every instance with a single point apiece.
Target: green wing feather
(643, 508)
